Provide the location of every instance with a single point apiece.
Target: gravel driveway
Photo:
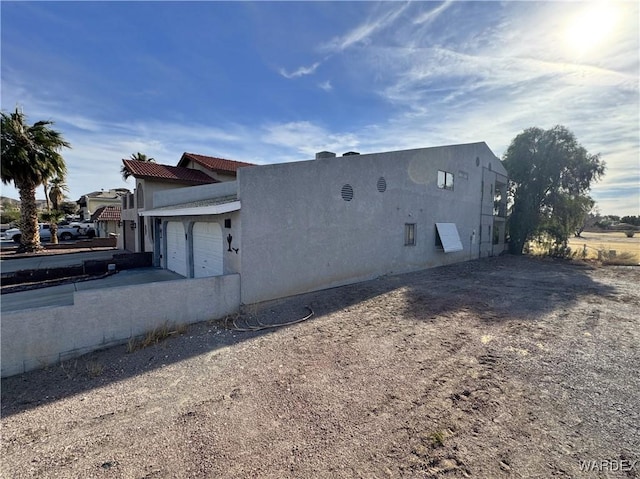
(505, 367)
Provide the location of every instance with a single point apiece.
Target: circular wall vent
(347, 192)
(382, 184)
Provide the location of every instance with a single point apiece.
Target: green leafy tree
(9, 216)
(30, 156)
(126, 174)
(551, 174)
(631, 220)
(69, 207)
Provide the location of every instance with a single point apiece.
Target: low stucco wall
(35, 338)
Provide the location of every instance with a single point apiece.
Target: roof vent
(350, 153)
(325, 154)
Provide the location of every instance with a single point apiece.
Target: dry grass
(155, 336)
(612, 248)
(94, 369)
(627, 250)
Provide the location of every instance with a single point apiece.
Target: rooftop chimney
(325, 154)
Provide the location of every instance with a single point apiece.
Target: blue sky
(276, 82)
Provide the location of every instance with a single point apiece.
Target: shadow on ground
(492, 289)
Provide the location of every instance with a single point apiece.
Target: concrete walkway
(62, 295)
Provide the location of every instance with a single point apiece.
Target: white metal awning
(196, 208)
(449, 237)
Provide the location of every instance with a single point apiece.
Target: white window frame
(445, 180)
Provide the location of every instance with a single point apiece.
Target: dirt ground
(504, 367)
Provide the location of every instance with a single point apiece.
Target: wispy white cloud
(430, 15)
(360, 34)
(305, 138)
(326, 85)
(302, 71)
(363, 32)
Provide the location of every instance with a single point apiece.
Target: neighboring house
(90, 202)
(107, 220)
(297, 227)
(138, 233)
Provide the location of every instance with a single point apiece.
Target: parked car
(65, 233)
(87, 228)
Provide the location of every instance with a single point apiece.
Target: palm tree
(57, 187)
(126, 174)
(56, 192)
(30, 156)
(45, 187)
(52, 217)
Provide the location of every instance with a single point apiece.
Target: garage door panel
(207, 250)
(176, 248)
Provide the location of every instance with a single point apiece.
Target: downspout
(481, 205)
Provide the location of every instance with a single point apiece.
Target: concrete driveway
(62, 295)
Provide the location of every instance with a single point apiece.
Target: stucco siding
(35, 338)
(299, 234)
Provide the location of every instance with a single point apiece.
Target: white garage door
(176, 248)
(207, 250)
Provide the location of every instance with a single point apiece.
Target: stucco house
(137, 231)
(90, 202)
(108, 221)
(297, 227)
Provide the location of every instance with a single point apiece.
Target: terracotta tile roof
(215, 164)
(106, 213)
(157, 171)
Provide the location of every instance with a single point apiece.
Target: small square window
(445, 180)
(409, 234)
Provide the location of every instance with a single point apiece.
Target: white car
(65, 233)
(87, 228)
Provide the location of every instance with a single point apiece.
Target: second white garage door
(207, 250)
(176, 248)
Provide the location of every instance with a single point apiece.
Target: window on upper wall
(445, 180)
(409, 234)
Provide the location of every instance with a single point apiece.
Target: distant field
(610, 241)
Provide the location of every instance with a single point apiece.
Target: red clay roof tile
(107, 213)
(215, 164)
(157, 171)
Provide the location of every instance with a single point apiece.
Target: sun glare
(591, 27)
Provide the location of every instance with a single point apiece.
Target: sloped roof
(106, 213)
(112, 193)
(157, 171)
(219, 165)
